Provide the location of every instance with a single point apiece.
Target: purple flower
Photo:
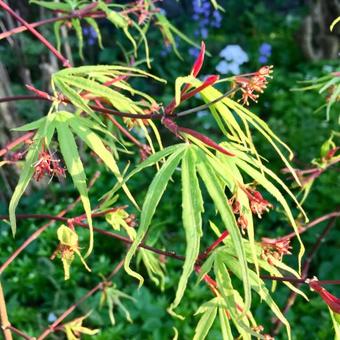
(265, 49)
(205, 16)
(263, 59)
(91, 35)
(204, 33)
(193, 51)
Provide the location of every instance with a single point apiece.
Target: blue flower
(263, 59)
(51, 317)
(265, 49)
(224, 67)
(193, 51)
(234, 53)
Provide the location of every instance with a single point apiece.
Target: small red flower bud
(199, 61)
(332, 301)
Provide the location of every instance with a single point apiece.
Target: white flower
(234, 53)
(51, 317)
(223, 67)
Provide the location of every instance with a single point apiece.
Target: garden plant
(118, 161)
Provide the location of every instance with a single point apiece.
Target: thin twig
(39, 36)
(68, 311)
(304, 273)
(312, 224)
(11, 145)
(4, 322)
(36, 234)
(21, 333)
(19, 29)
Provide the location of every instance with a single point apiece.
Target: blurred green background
(269, 32)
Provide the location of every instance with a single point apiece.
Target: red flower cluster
(253, 82)
(275, 247)
(258, 204)
(46, 165)
(242, 222)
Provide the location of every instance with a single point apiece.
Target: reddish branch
(171, 254)
(312, 224)
(305, 270)
(4, 323)
(39, 36)
(207, 252)
(36, 234)
(11, 145)
(99, 286)
(49, 21)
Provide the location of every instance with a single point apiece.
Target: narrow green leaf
(52, 5)
(336, 322)
(95, 143)
(192, 208)
(117, 99)
(262, 291)
(77, 27)
(73, 96)
(31, 126)
(45, 132)
(56, 28)
(94, 25)
(225, 325)
(69, 150)
(216, 192)
(259, 178)
(153, 196)
(152, 160)
(205, 323)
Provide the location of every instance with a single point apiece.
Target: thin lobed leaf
(263, 292)
(69, 151)
(192, 208)
(206, 321)
(79, 32)
(44, 134)
(151, 160)
(216, 192)
(96, 145)
(152, 199)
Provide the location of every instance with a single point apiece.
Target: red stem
(206, 253)
(315, 222)
(11, 145)
(39, 36)
(35, 235)
(49, 21)
(68, 311)
(304, 273)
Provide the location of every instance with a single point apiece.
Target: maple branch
(39, 36)
(19, 29)
(304, 273)
(68, 311)
(4, 322)
(171, 254)
(11, 145)
(36, 234)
